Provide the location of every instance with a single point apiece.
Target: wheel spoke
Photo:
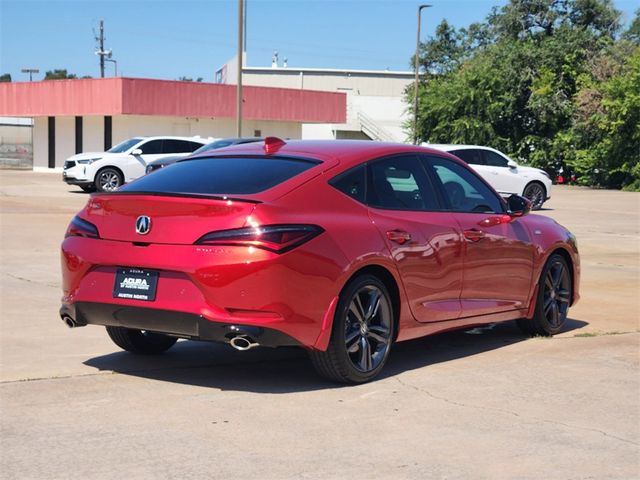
(547, 303)
(365, 354)
(563, 296)
(378, 338)
(353, 308)
(555, 314)
(548, 281)
(373, 306)
(557, 275)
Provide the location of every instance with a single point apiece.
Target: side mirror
(136, 152)
(512, 165)
(518, 206)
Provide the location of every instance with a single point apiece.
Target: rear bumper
(179, 324)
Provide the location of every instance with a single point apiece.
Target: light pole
(115, 64)
(417, 68)
(30, 71)
(240, 51)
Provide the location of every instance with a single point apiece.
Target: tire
(139, 341)
(535, 192)
(108, 179)
(362, 333)
(553, 299)
(88, 188)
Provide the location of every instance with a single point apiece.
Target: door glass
(176, 146)
(153, 147)
(464, 191)
(400, 183)
(471, 156)
(494, 160)
(351, 183)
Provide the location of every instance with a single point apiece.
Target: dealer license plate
(136, 284)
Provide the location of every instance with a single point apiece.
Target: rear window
(221, 175)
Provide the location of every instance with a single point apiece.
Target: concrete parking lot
(487, 403)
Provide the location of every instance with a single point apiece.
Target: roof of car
(345, 151)
(195, 138)
(446, 147)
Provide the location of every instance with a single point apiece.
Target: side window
(352, 183)
(400, 183)
(193, 146)
(464, 191)
(153, 147)
(176, 146)
(494, 160)
(471, 156)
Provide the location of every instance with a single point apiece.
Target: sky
(169, 39)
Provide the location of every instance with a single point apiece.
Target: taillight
(81, 228)
(275, 238)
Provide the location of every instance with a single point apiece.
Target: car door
(498, 253)
(137, 164)
(506, 180)
(425, 241)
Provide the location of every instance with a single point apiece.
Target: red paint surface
(137, 96)
(444, 280)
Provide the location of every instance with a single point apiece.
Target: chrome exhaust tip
(243, 343)
(70, 322)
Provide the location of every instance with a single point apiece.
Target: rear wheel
(554, 296)
(108, 179)
(362, 333)
(140, 341)
(536, 193)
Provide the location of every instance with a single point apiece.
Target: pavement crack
(22, 279)
(514, 414)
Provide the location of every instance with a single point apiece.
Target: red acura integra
(340, 247)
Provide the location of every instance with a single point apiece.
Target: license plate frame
(136, 284)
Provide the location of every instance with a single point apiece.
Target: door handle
(399, 236)
(474, 234)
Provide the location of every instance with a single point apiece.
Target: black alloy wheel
(362, 333)
(536, 193)
(554, 299)
(108, 180)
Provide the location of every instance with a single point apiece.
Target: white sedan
(106, 171)
(502, 173)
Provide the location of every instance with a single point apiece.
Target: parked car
(505, 175)
(106, 171)
(339, 247)
(223, 142)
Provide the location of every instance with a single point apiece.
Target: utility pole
(415, 88)
(100, 51)
(240, 57)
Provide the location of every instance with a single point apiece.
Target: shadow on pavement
(285, 370)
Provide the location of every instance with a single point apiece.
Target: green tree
(189, 79)
(58, 74)
(6, 77)
(547, 81)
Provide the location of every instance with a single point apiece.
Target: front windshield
(124, 146)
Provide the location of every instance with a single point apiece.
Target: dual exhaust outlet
(241, 342)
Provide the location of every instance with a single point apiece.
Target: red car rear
(339, 247)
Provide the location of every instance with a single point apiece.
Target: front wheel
(108, 179)
(536, 193)
(140, 341)
(553, 300)
(362, 333)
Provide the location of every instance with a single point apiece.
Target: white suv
(106, 171)
(502, 173)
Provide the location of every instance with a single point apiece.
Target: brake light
(275, 238)
(81, 228)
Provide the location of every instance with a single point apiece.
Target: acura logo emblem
(143, 225)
